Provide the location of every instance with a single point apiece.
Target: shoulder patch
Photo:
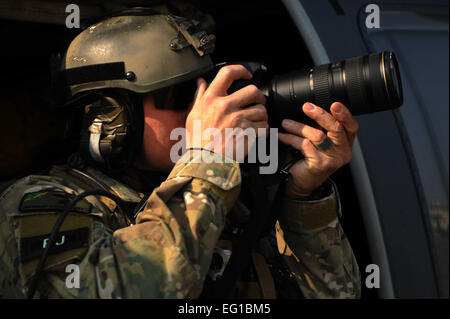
(32, 247)
(72, 242)
(50, 200)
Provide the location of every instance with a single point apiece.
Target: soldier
(135, 69)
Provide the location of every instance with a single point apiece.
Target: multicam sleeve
(315, 248)
(168, 252)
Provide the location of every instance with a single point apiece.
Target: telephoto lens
(364, 84)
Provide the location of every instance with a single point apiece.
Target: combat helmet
(133, 52)
(139, 50)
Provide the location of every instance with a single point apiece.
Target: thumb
(201, 88)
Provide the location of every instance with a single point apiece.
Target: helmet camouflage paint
(139, 50)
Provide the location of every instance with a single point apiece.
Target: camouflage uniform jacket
(168, 252)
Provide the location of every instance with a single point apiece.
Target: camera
(365, 84)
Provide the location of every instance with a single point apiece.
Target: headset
(111, 128)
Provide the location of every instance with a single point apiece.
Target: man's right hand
(214, 108)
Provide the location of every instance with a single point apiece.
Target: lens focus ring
(353, 72)
(321, 86)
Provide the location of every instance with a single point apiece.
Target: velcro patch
(72, 242)
(33, 247)
(51, 200)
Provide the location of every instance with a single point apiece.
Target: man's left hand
(324, 152)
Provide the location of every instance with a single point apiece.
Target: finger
(261, 128)
(299, 143)
(323, 118)
(246, 96)
(303, 130)
(247, 133)
(335, 130)
(343, 115)
(201, 88)
(255, 113)
(254, 126)
(225, 78)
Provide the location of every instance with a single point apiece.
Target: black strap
(95, 72)
(262, 221)
(261, 214)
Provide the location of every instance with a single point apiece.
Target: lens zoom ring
(322, 96)
(353, 68)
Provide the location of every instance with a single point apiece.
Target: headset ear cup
(94, 144)
(111, 130)
(106, 130)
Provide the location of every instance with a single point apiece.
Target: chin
(168, 167)
(164, 164)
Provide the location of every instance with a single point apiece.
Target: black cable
(57, 226)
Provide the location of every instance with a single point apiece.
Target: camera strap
(261, 215)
